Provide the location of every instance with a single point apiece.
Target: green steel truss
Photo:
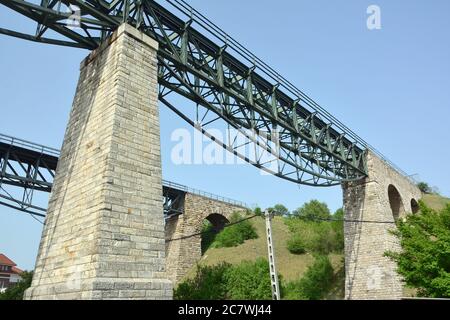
(223, 84)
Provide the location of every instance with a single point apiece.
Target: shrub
(315, 283)
(208, 284)
(246, 281)
(249, 281)
(236, 234)
(296, 244)
(317, 237)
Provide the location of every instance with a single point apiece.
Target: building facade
(9, 273)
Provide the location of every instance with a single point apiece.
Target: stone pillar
(104, 233)
(369, 274)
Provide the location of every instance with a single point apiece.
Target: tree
(312, 210)
(424, 187)
(424, 261)
(338, 227)
(280, 210)
(17, 291)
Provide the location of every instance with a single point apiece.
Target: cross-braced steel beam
(223, 84)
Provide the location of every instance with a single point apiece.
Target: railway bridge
(104, 234)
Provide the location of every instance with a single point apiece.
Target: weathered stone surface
(183, 254)
(370, 275)
(104, 233)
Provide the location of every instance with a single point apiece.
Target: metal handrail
(30, 145)
(184, 188)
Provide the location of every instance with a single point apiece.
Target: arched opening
(396, 203)
(213, 224)
(414, 206)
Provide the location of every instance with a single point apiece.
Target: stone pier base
(104, 233)
(382, 198)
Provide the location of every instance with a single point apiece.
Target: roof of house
(16, 270)
(5, 261)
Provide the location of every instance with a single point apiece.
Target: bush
(317, 237)
(315, 283)
(246, 281)
(249, 281)
(236, 234)
(208, 284)
(17, 291)
(296, 244)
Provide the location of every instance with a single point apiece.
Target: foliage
(17, 291)
(208, 284)
(249, 281)
(315, 283)
(296, 244)
(424, 187)
(246, 281)
(317, 237)
(258, 212)
(338, 228)
(280, 210)
(424, 261)
(236, 234)
(313, 209)
(208, 236)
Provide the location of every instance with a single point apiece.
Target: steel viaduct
(105, 230)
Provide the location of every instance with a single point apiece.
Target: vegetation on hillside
(308, 235)
(424, 261)
(245, 281)
(315, 283)
(231, 236)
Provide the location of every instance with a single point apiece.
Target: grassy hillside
(435, 201)
(290, 266)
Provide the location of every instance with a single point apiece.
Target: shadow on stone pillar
(370, 216)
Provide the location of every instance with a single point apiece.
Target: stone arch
(218, 221)
(182, 255)
(396, 202)
(414, 206)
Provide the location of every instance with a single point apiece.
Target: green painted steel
(224, 86)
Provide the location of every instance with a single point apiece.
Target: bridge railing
(29, 145)
(208, 195)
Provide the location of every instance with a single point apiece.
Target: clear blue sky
(391, 86)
